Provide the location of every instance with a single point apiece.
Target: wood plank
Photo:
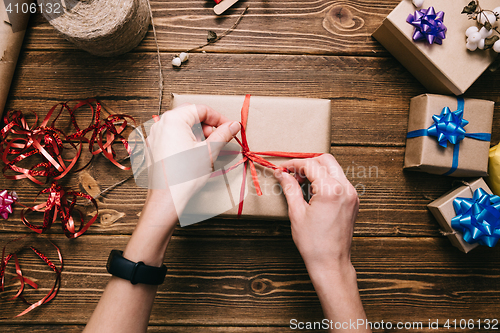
(370, 96)
(318, 27)
(258, 282)
(187, 328)
(393, 202)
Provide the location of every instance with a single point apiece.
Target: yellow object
(494, 169)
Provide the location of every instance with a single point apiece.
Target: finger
(207, 130)
(292, 191)
(316, 168)
(209, 116)
(220, 136)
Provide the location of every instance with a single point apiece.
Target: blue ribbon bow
(478, 218)
(428, 25)
(449, 127)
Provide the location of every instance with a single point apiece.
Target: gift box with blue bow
(449, 135)
(469, 215)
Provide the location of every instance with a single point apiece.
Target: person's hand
(178, 152)
(322, 228)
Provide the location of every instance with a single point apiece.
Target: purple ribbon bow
(428, 25)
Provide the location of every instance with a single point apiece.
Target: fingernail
(234, 128)
(278, 174)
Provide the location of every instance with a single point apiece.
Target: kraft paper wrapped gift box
(448, 68)
(443, 211)
(423, 153)
(274, 124)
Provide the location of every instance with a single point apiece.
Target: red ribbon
(252, 157)
(24, 280)
(58, 205)
(20, 141)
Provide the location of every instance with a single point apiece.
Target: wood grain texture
(258, 282)
(285, 27)
(370, 96)
(190, 329)
(393, 202)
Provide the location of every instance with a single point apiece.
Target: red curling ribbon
(217, 1)
(24, 280)
(20, 141)
(252, 157)
(58, 205)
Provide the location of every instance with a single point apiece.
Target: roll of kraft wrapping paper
(102, 27)
(13, 25)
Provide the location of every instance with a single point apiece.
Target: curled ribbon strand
(251, 157)
(20, 141)
(24, 280)
(478, 218)
(449, 127)
(58, 205)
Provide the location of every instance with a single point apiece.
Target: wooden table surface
(228, 275)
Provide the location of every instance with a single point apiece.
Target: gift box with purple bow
(449, 135)
(469, 215)
(429, 42)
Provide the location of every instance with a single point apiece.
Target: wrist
(152, 234)
(338, 272)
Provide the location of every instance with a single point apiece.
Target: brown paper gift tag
(274, 124)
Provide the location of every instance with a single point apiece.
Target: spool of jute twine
(101, 27)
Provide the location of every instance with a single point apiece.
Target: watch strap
(135, 272)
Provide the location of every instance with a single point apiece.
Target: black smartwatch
(135, 272)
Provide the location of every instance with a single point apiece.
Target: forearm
(337, 289)
(125, 307)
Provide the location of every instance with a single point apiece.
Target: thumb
(291, 188)
(222, 135)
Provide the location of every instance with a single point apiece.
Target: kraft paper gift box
(444, 212)
(448, 68)
(274, 124)
(12, 28)
(424, 153)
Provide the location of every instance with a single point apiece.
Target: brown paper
(425, 153)
(447, 68)
(443, 211)
(12, 29)
(274, 124)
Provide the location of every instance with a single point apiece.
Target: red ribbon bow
(252, 157)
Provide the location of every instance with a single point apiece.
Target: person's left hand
(178, 152)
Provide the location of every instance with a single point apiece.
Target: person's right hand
(322, 228)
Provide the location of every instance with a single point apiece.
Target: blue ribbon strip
(449, 127)
(478, 218)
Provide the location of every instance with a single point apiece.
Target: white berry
(496, 46)
(176, 62)
(475, 37)
(471, 46)
(480, 45)
(485, 33)
(471, 30)
(418, 3)
(184, 56)
(484, 17)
